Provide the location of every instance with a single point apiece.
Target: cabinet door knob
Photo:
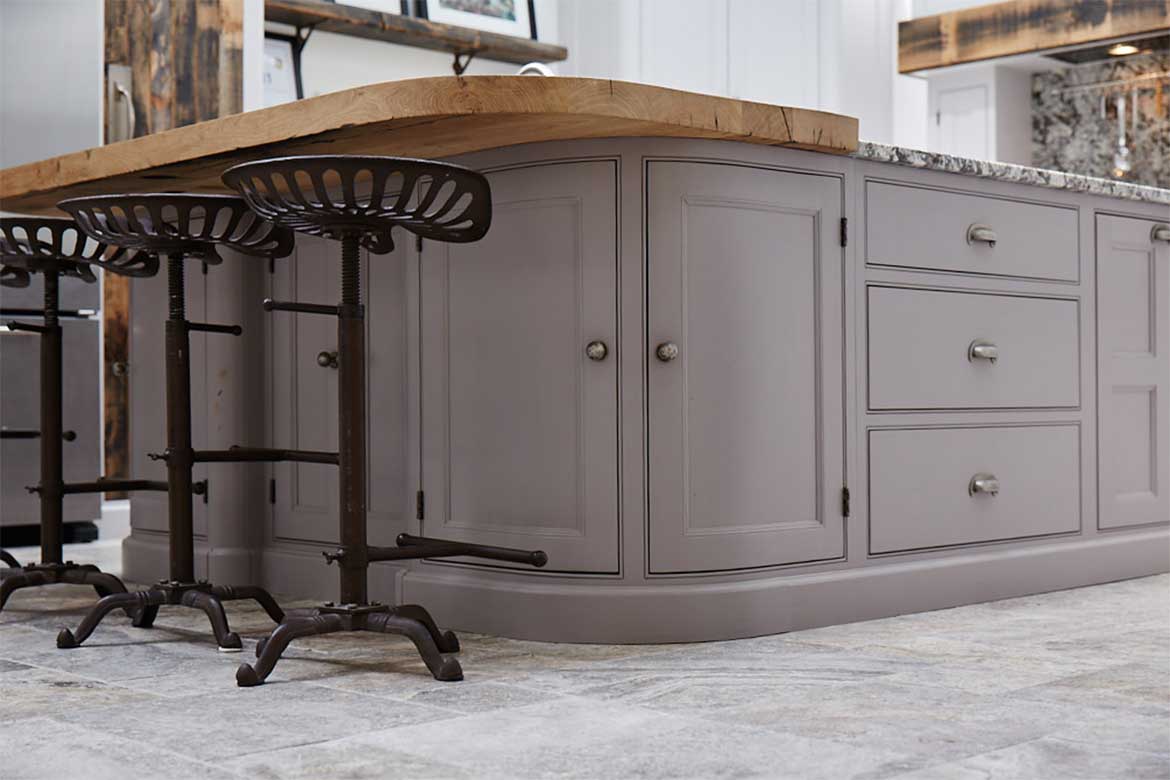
(981, 233)
(666, 351)
(596, 350)
(982, 350)
(983, 483)
(327, 359)
(119, 368)
(1160, 233)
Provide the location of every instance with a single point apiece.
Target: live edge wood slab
(427, 117)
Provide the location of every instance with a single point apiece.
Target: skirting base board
(705, 611)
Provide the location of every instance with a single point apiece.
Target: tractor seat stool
(358, 200)
(54, 247)
(180, 227)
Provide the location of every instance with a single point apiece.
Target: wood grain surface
(428, 117)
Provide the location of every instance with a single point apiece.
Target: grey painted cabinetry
(666, 366)
(1133, 364)
(745, 424)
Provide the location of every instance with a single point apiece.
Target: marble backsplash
(1075, 127)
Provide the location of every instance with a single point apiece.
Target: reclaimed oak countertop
(427, 117)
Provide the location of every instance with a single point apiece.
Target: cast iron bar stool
(54, 247)
(358, 201)
(180, 227)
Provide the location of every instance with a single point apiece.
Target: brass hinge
(272, 490)
(844, 231)
(419, 505)
(845, 501)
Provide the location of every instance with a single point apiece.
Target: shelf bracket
(459, 65)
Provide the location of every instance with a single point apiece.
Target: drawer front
(921, 493)
(925, 347)
(913, 227)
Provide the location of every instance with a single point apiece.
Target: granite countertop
(1020, 174)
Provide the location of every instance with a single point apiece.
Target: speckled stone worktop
(1020, 174)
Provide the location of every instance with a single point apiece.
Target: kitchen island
(736, 374)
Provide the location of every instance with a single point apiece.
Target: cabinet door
(304, 393)
(1133, 363)
(746, 423)
(519, 426)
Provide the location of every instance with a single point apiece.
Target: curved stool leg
(445, 669)
(139, 601)
(20, 579)
(253, 592)
(446, 641)
(144, 618)
(9, 560)
(228, 640)
(103, 583)
(248, 675)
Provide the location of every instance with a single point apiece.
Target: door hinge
(418, 243)
(845, 501)
(272, 490)
(844, 231)
(271, 265)
(420, 505)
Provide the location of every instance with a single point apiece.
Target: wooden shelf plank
(406, 30)
(1022, 27)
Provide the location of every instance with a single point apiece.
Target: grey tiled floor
(1074, 684)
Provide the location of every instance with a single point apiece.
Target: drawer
(920, 485)
(920, 350)
(914, 227)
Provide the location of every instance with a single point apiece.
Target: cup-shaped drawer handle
(1160, 233)
(987, 484)
(982, 350)
(666, 351)
(596, 351)
(981, 234)
(327, 359)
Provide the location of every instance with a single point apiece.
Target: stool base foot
(411, 621)
(143, 606)
(36, 574)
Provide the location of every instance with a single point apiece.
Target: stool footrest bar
(28, 326)
(106, 485)
(304, 308)
(207, 327)
(263, 455)
(422, 547)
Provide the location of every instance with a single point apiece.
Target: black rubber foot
(65, 640)
(231, 643)
(246, 676)
(450, 671)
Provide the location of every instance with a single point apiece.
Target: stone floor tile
(234, 722)
(32, 692)
(45, 748)
(1050, 759)
(1138, 688)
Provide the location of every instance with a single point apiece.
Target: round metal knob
(327, 359)
(596, 350)
(666, 351)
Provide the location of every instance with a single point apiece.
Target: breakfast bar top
(426, 117)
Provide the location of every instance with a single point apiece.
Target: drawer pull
(982, 350)
(981, 233)
(1160, 233)
(666, 351)
(596, 350)
(983, 483)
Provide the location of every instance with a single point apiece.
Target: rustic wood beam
(1022, 27)
(406, 30)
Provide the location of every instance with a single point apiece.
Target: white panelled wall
(834, 55)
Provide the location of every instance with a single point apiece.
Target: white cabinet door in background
(746, 423)
(519, 426)
(1133, 364)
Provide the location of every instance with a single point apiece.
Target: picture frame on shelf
(401, 7)
(506, 17)
(282, 69)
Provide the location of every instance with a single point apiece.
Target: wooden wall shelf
(408, 31)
